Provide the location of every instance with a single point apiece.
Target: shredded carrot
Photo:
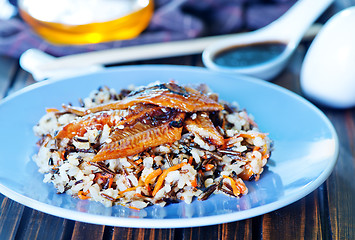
(110, 182)
(139, 161)
(163, 176)
(227, 146)
(241, 186)
(209, 167)
(256, 148)
(194, 183)
(127, 190)
(264, 149)
(135, 164)
(138, 195)
(265, 156)
(226, 140)
(48, 110)
(236, 191)
(151, 176)
(82, 195)
(134, 208)
(190, 159)
(63, 155)
(251, 135)
(263, 152)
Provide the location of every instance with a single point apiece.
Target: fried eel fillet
(169, 95)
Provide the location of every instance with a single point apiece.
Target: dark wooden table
(326, 213)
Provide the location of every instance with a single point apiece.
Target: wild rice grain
(67, 163)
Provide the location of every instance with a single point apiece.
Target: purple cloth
(172, 20)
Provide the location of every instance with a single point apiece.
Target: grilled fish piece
(202, 125)
(165, 95)
(111, 118)
(142, 135)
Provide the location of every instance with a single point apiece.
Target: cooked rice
(67, 163)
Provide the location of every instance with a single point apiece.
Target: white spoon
(328, 70)
(288, 29)
(43, 66)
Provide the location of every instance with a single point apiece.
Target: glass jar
(86, 21)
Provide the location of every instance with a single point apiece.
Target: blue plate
(306, 148)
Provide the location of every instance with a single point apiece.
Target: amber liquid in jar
(86, 21)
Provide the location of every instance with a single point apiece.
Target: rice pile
(192, 167)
